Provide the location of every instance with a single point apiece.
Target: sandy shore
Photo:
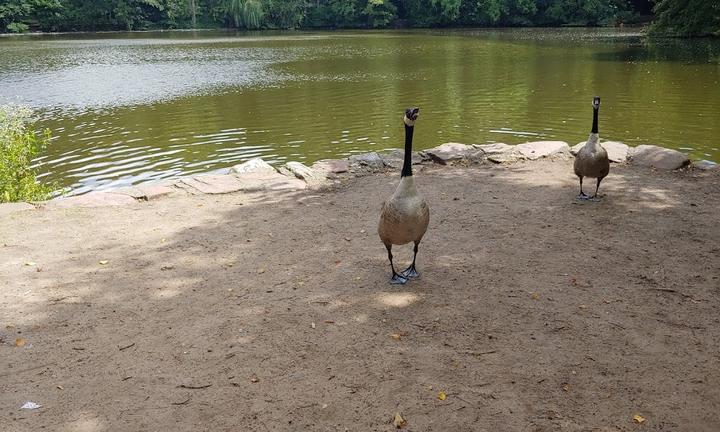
(272, 312)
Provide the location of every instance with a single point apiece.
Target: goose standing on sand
(405, 216)
(592, 159)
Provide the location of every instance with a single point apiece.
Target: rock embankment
(256, 175)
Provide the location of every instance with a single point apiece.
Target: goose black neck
(407, 163)
(595, 120)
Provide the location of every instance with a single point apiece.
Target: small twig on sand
(126, 346)
(183, 402)
(670, 290)
(194, 387)
(616, 325)
(480, 353)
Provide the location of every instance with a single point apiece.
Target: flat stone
(14, 207)
(449, 152)
(303, 172)
(658, 157)
(253, 165)
(540, 149)
(506, 157)
(212, 184)
(266, 181)
(334, 166)
(495, 148)
(617, 151)
(705, 165)
(92, 199)
(132, 191)
(371, 160)
(395, 158)
(152, 191)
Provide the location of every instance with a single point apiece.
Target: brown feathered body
(405, 216)
(592, 159)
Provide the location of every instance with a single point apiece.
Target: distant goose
(592, 159)
(405, 216)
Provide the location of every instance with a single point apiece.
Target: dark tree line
(682, 17)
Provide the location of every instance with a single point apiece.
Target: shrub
(18, 146)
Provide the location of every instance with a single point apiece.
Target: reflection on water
(128, 108)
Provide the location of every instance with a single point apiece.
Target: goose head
(596, 102)
(411, 114)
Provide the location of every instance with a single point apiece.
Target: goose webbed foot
(396, 279)
(410, 272)
(594, 198)
(583, 196)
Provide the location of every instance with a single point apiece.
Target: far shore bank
(638, 28)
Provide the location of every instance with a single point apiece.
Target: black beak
(412, 113)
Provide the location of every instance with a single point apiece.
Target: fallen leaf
(19, 342)
(312, 324)
(442, 395)
(535, 296)
(399, 422)
(582, 306)
(347, 239)
(103, 262)
(60, 387)
(396, 336)
(362, 231)
(261, 271)
(637, 418)
(254, 380)
(30, 263)
(566, 387)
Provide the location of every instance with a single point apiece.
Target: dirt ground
(242, 312)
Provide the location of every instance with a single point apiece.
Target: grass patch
(19, 145)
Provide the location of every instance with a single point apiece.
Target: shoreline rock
(658, 157)
(256, 175)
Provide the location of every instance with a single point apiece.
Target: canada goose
(405, 216)
(592, 159)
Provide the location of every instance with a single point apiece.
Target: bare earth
(273, 313)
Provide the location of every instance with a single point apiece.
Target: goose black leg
(582, 195)
(594, 197)
(411, 272)
(396, 278)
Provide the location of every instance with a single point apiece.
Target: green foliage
(379, 13)
(582, 12)
(686, 18)
(18, 146)
(15, 27)
(677, 17)
(284, 13)
(246, 13)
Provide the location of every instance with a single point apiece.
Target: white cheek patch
(408, 121)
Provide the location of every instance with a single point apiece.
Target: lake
(126, 108)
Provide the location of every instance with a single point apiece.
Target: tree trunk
(193, 11)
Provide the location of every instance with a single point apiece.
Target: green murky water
(132, 107)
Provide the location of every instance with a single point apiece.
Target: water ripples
(134, 108)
